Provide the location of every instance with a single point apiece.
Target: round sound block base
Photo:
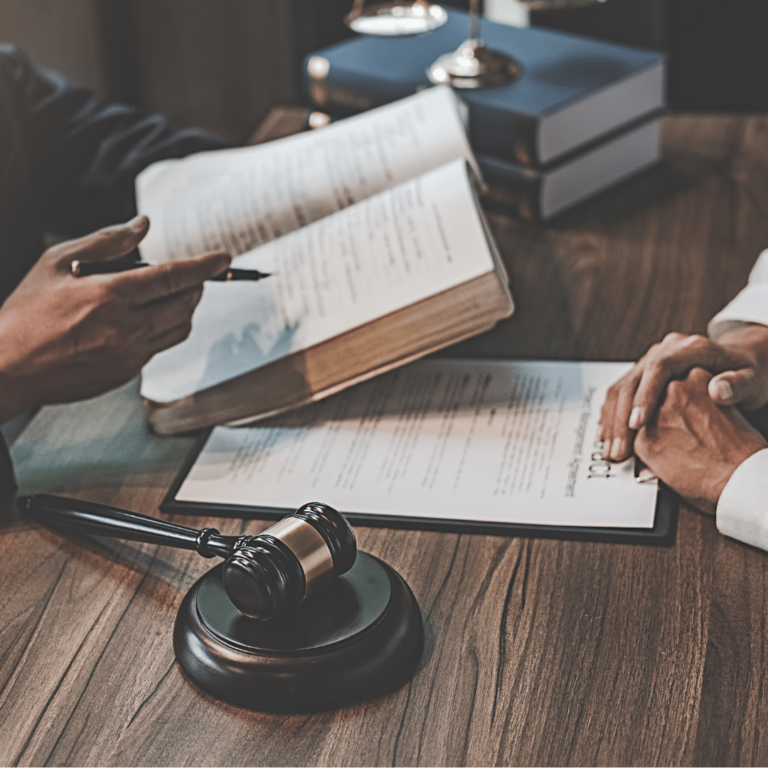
(360, 637)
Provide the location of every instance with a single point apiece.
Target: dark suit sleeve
(82, 153)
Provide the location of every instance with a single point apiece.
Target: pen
(85, 268)
(642, 473)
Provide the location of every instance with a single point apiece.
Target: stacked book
(583, 115)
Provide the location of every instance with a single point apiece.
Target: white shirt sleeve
(742, 510)
(749, 306)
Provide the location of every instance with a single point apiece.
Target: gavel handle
(101, 520)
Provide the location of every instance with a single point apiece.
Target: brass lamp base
(472, 65)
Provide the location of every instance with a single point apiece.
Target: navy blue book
(572, 91)
(541, 193)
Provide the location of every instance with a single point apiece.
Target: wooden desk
(538, 652)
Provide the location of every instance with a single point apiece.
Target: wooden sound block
(360, 637)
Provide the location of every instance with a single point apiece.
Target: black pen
(85, 268)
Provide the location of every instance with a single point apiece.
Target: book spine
(512, 187)
(510, 136)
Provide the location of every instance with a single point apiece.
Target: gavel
(245, 632)
(264, 576)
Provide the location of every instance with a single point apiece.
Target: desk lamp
(395, 19)
(473, 65)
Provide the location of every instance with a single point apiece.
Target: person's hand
(64, 338)
(694, 445)
(739, 358)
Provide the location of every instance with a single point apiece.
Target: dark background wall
(718, 54)
(719, 51)
(217, 64)
(221, 64)
(63, 35)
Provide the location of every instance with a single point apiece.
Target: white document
(364, 262)
(240, 198)
(480, 441)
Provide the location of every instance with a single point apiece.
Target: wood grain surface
(538, 652)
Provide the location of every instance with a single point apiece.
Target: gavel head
(273, 572)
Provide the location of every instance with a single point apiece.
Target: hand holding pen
(65, 339)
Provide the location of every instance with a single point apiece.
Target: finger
(699, 377)
(146, 285)
(622, 437)
(735, 387)
(649, 391)
(607, 419)
(159, 317)
(615, 400)
(671, 359)
(108, 243)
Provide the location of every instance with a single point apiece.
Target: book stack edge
(583, 116)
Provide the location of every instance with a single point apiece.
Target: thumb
(108, 243)
(734, 387)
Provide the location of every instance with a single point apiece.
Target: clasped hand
(676, 410)
(693, 444)
(63, 338)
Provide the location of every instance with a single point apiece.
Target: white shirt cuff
(749, 306)
(759, 273)
(742, 511)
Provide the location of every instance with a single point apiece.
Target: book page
(359, 264)
(238, 199)
(484, 441)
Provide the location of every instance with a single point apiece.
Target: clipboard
(662, 534)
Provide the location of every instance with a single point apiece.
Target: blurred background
(222, 64)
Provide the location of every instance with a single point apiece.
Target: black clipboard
(663, 533)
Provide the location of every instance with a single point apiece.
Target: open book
(378, 251)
